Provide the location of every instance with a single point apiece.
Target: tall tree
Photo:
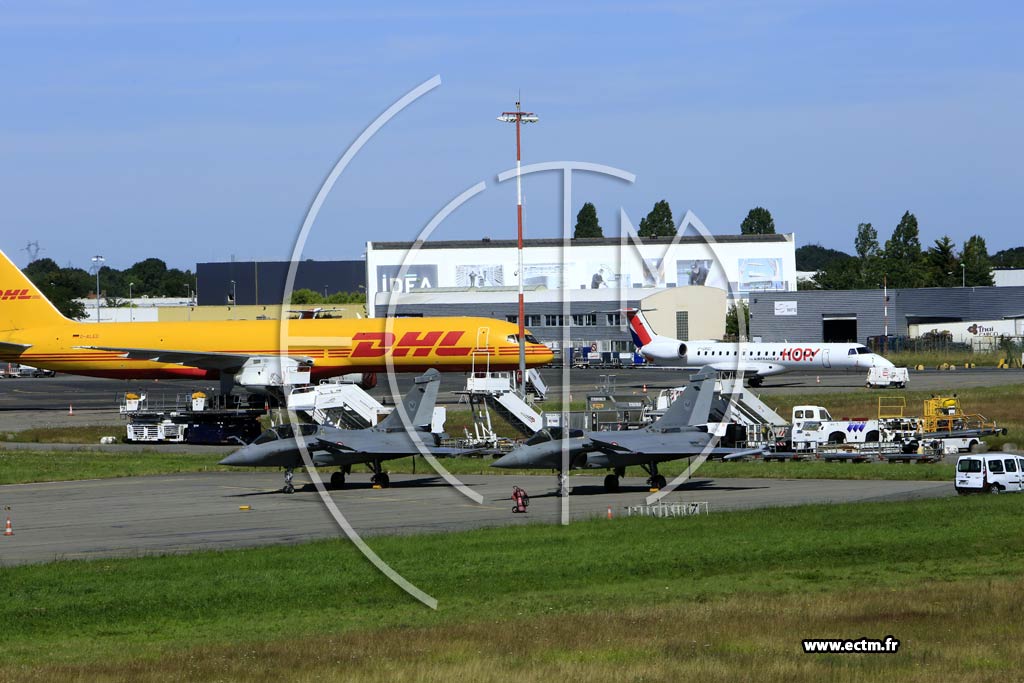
(732, 320)
(60, 285)
(869, 253)
(586, 223)
(759, 221)
(841, 274)
(977, 270)
(943, 264)
(658, 222)
(903, 261)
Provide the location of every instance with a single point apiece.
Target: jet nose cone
(510, 460)
(243, 456)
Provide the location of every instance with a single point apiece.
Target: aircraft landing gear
(338, 480)
(655, 481)
(380, 477)
(611, 482)
(755, 381)
(288, 476)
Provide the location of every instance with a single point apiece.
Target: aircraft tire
(338, 480)
(383, 480)
(288, 488)
(658, 482)
(611, 483)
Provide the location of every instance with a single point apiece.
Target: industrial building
(262, 282)
(685, 283)
(855, 315)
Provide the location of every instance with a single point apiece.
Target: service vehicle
(989, 473)
(879, 377)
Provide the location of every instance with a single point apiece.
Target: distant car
(29, 371)
(989, 473)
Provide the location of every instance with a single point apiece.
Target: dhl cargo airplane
(756, 360)
(246, 352)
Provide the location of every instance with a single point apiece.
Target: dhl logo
(378, 344)
(799, 354)
(12, 294)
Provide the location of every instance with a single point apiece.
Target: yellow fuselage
(336, 346)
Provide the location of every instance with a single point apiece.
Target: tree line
(659, 222)
(150, 277)
(900, 262)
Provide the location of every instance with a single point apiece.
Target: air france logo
(15, 294)
(798, 354)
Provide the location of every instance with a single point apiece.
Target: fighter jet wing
(611, 447)
(206, 360)
(333, 446)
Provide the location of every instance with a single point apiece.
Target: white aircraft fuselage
(755, 360)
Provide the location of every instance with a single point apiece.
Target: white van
(989, 473)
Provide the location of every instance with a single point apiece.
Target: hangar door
(838, 328)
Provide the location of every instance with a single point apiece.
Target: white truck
(887, 377)
(813, 426)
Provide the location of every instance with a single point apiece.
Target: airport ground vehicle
(29, 371)
(879, 377)
(989, 473)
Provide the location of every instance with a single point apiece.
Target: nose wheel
(289, 474)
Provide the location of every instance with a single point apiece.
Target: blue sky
(196, 131)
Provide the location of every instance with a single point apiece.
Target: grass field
(722, 597)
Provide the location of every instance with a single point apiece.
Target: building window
(551, 320)
(533, 321)
(512, 318)
(584, 319)
(614, 319)
(682, 325)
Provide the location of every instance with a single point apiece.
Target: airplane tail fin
(639, 329)
(22, 305)
(693, 406)
(419, 404)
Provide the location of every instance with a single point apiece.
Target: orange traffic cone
(8, 530)
(71, 409)
(609, 512)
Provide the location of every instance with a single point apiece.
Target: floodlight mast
(520, 117)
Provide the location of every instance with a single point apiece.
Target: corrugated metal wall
(952, 304)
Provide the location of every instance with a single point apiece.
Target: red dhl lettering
(9, 294)
(379, 344)
(799, 354)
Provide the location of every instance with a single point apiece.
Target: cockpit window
(514, 339)
(863, 349)
(851, 352)
(285, 432)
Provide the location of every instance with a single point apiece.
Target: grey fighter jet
(329, 446)
(679, 433)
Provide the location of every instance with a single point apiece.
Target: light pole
(520, 117)
(234, 300)
(963, 275)
(188, 305)
(98, 261)
(131, 313)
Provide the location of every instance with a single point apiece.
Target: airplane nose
(510, 460)
(240, 458)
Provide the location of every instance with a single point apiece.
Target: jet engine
(664, 349)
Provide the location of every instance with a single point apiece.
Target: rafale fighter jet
(680, 433)
(332, 447)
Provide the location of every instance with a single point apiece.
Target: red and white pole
(520, 117)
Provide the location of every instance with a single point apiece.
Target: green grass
(20, 467)
(932, 359)
(78, 435)
(549, 600)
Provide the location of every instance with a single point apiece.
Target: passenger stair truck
(345, 404)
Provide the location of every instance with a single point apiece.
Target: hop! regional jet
(754, 359)
(32, 331)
